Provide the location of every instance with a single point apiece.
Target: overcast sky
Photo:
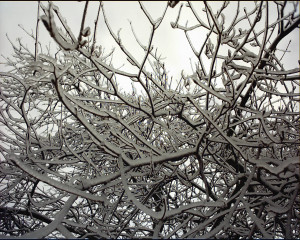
(171, 43)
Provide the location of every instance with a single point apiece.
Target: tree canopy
(211, 154)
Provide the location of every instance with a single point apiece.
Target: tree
(213, 154)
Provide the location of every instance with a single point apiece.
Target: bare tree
(213, 154)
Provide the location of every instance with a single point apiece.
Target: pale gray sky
(171, 43)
